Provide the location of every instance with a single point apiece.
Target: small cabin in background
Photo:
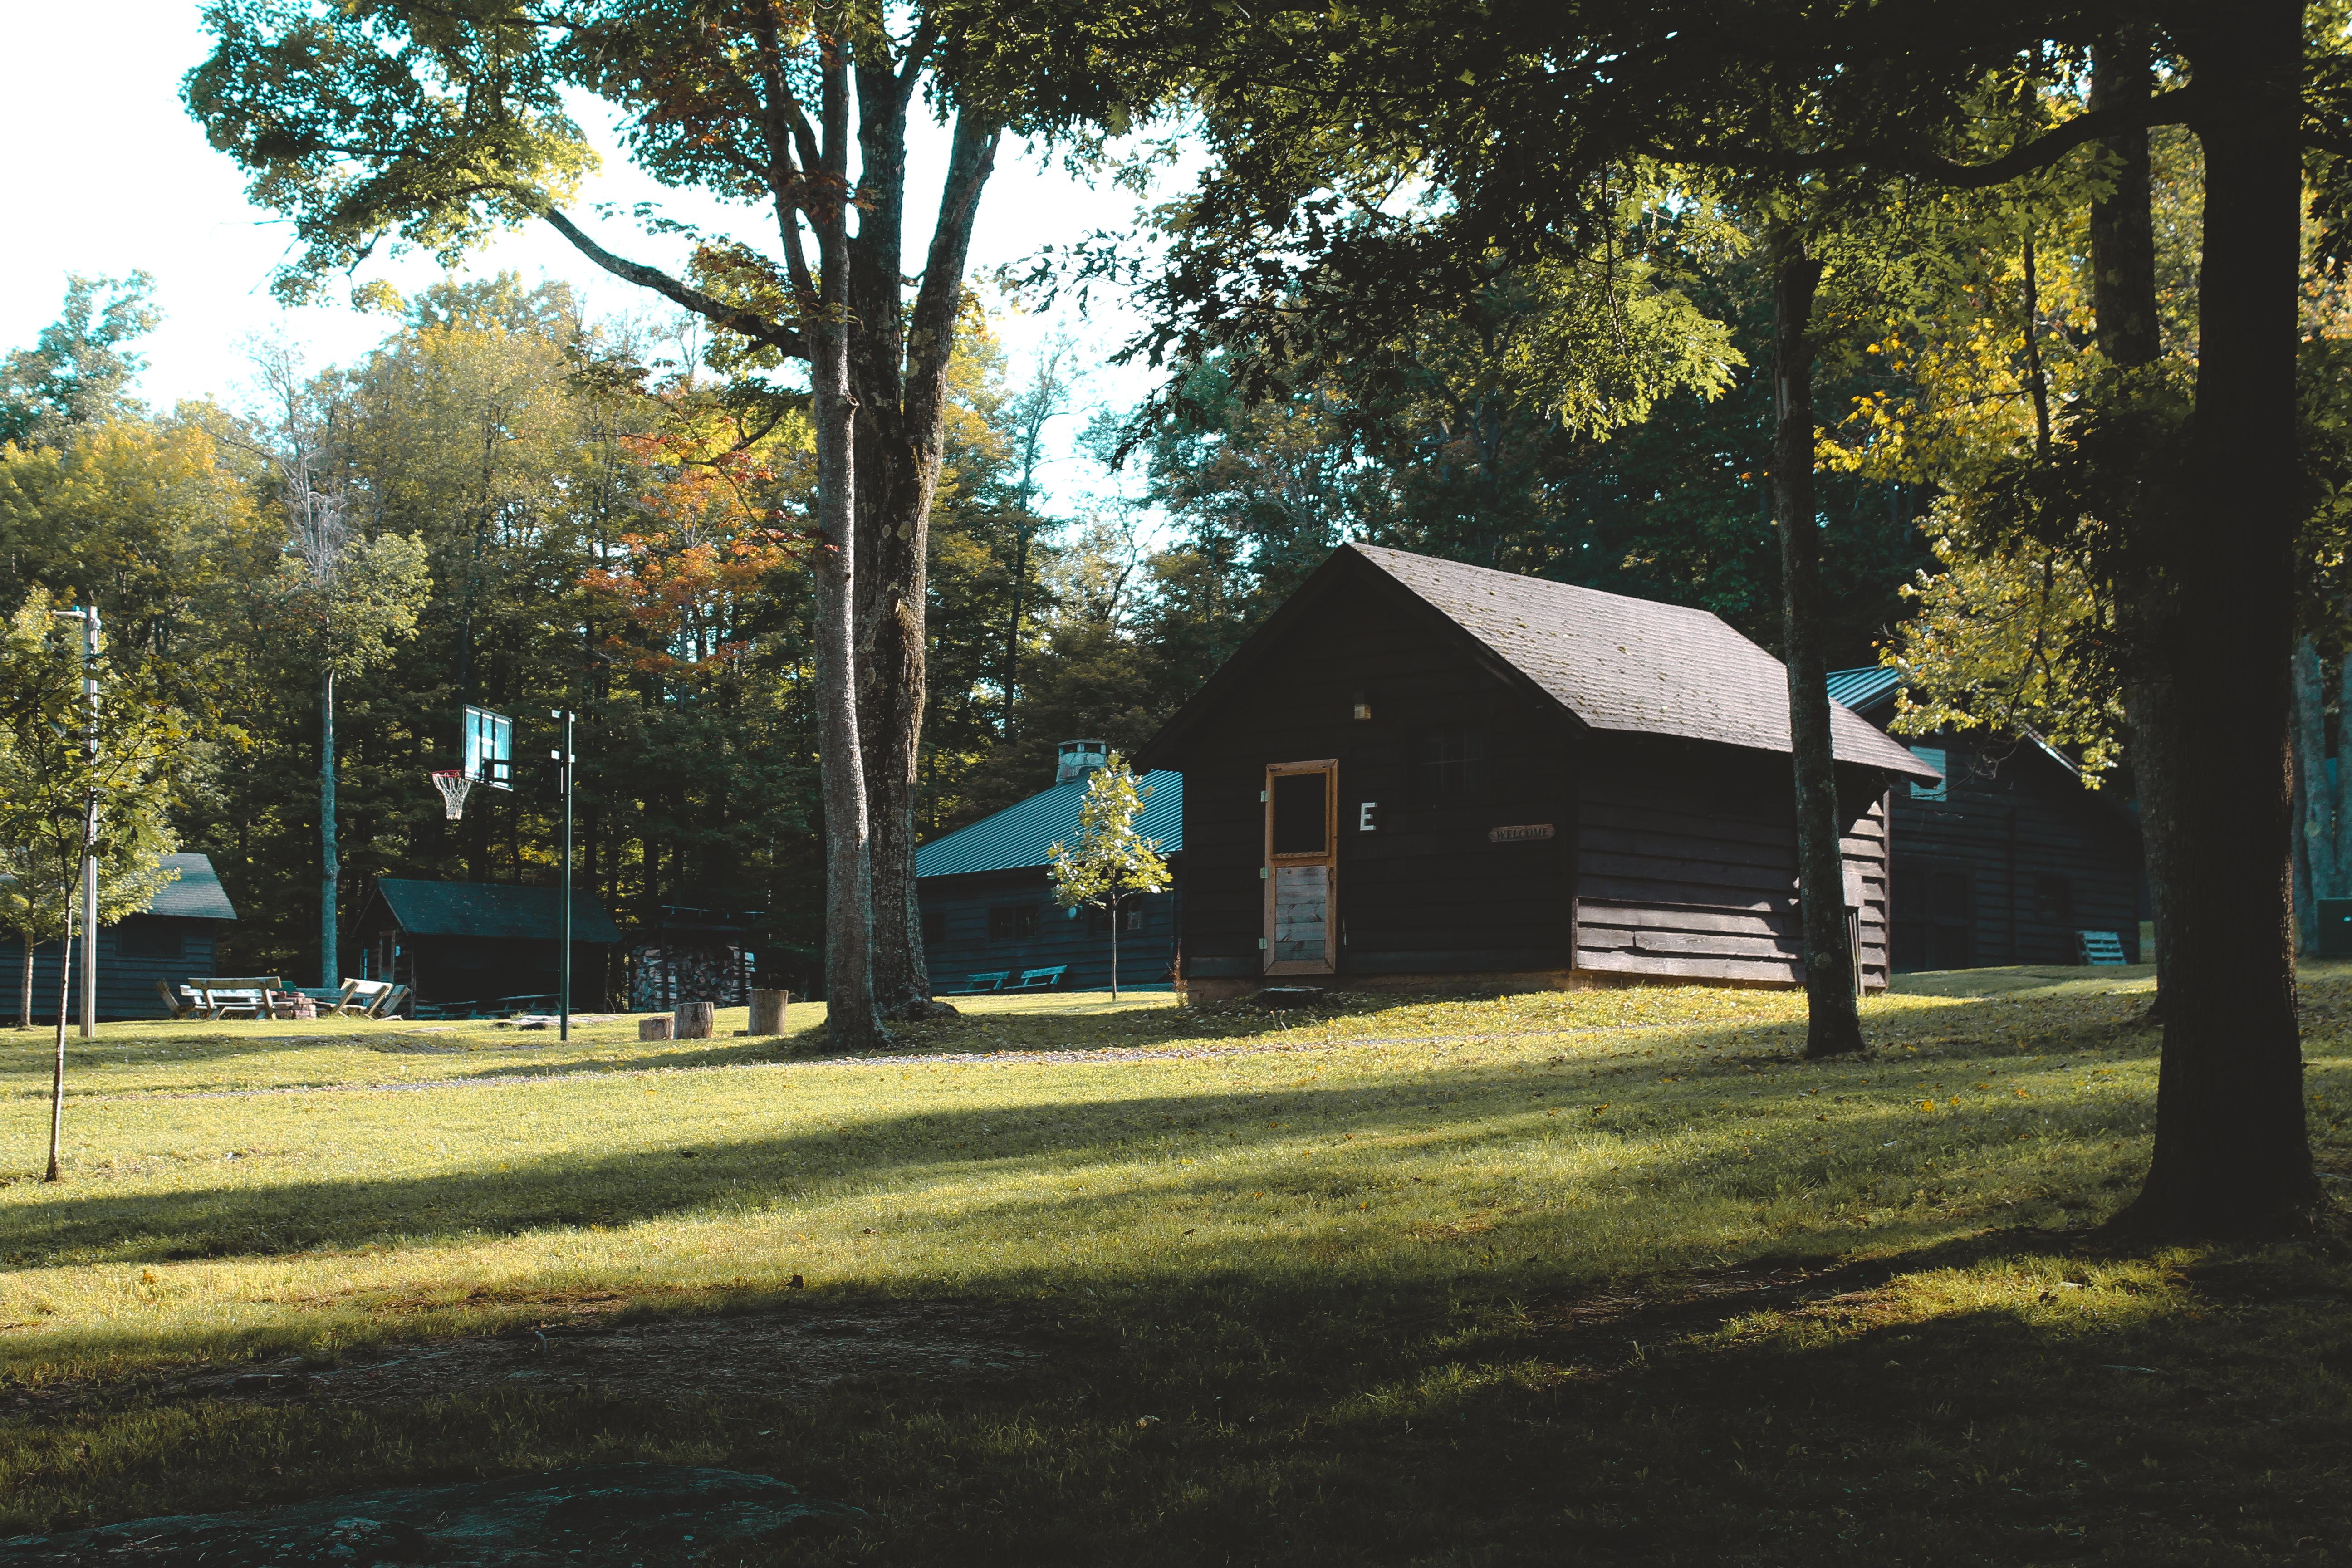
(176, 936)
(988, 899)
(473, 946)
(2009, 855)
(1422, 773)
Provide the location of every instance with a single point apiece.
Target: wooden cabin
(175, 937)
(2008, 856)
(1422, 773)
(988, 901)
(482, 947)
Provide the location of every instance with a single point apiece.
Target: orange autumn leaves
(726, 507)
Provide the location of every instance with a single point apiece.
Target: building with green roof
(177, 935)
(466, 947)
(988, 899)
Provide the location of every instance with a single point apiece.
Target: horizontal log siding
(1426, 892)
(2009, 819)
(964, 948)
(126, 986)
(1687, 865)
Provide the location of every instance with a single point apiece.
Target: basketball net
(453, 785)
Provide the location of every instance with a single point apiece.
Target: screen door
(1301, 844)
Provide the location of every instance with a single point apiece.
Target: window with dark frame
(1934, 917)
(1011, 922)
(1449, 763)
(146, 939)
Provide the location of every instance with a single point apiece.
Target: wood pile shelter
(177, 935)
(1418, 773)
(472, 946)
(2008, 855)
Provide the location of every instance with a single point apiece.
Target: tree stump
(693, 1020)
(652, 1028)
(768, 1011)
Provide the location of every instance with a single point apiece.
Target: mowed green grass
(1567, 1277)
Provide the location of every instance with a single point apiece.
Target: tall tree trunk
(2124, 303)
(57, 1070)
(900, 383)
(1833, 1023)
(25, 1006)
(2232, 1157)
(331, 865)
(850, 1021)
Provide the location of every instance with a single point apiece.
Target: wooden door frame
(1328, 858)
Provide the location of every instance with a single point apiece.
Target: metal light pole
(89, 831)
(563, 761)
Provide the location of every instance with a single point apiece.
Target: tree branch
(2181, 106)
(710, 308)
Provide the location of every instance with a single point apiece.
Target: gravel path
(1269, 1046)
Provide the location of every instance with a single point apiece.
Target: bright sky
(119, 179)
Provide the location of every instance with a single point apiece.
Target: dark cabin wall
(957, 945)
(2006, 869)
(1426, 892)
(1688, 863)
(126, 985)
(482, 970)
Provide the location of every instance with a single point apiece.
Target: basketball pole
(563, 782)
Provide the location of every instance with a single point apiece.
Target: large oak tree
(435, 125)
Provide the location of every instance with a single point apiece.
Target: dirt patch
(754, 1355)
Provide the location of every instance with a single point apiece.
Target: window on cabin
(1449, 763)
(1098, 921)
(1300, 813)
(1939, 759)
(2053, 902)
(1934, 917)
(148, 939)
(1011, 922)
(935, 926)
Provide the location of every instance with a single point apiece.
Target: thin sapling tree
(1110, 859)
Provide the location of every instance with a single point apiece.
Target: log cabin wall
(1688, 864)
(2007, 861)
(1428, 891)
(132, 957)
(1001, 923)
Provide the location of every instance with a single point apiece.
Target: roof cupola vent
(1079, 758)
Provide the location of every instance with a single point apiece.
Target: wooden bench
(2099, 947)
(233, 996)
(182, 1003)
(979, 984)
(1039, 979)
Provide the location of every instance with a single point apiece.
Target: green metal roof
(490, 909)
(1861, 688)
(195, 895)
(1019, 837)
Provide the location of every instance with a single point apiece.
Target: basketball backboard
(489, 748)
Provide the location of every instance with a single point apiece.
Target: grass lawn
(1606, 1277)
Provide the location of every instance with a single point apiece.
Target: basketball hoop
(453, 784)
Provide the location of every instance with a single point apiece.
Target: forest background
(603, 513)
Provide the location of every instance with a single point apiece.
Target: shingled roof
(1616, 662)
(494, 910)
(196, 894)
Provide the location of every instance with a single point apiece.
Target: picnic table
(211, 998)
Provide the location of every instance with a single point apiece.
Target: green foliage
(381, 122)
(49, 780)
(1110, 859)
(77, 371)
